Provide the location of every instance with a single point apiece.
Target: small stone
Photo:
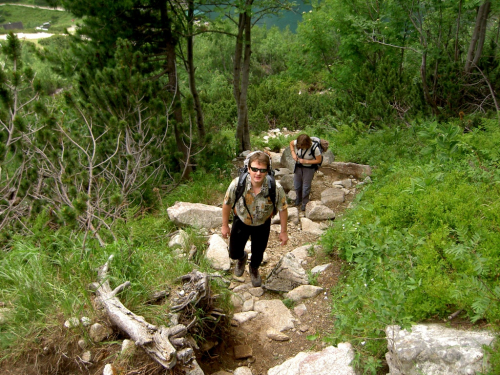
(72, 322)
(128, 347)
(256, 292)
(98, 332)
(319, 269)
(276, 335)
(243, 370)
(303, 328)
(82, 344)
(242, 351)
(86, 356)
(85, 321)
(244, 316)
(300, 309)
(109, 370)
(247, 305)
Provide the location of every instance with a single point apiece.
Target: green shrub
(422, 240)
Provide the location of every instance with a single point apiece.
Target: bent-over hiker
(253, 212)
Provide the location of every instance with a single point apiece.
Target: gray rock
(72, 322)
(242, 288)
(181, 240)
(275, 160)
(346, 183)
(195, 214)
(109, 369)
(243, 370)
(332, 360)
(247, 305)
(310, 226)
(82, 344)
(321, 268)
(358, 171)
(287, 182)
(433, 349)
(300, 310)
(128, 347)
(275, 314)
(303, 292)
(245, 316)
(99, 333)
(332, 195)
(276, 335)
(293, 215)
(316, 210)
(256, 292)
(217, 253)
(86, 321)
(237, 301)
(282, 172)
(303, 252)
(287, 275)
(87, 356)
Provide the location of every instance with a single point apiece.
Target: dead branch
(154, 340)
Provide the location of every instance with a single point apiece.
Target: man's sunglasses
(258, 170)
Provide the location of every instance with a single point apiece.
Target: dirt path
(311, 328)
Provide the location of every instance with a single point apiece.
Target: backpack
(240, 188)
(322, 145)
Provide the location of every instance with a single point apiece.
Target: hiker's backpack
(240, 188)
(322, 145)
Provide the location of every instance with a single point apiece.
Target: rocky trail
(269, 326)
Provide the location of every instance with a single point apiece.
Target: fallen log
(154, 340)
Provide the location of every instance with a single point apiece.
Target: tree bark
(191, 70)
(458, 29)
(241, 75)
(154, 340)
(478, 37)
(173, 87)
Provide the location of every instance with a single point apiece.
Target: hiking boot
(240, 265)
(303, 208)
(255, 277)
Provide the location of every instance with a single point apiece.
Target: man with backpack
(307, 156)
(254, 197)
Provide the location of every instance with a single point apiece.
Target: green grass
(422, 241)
(33, 17)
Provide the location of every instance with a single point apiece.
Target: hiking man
(253, 212)
(306, 158)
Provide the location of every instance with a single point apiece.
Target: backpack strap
(240, 189)
(271, 181)
(314, 146)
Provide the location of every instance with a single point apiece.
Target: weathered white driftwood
(154, 340)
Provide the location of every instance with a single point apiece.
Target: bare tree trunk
(425, 87)
(191, 70)
(241, 74)
(458, 29)
(478, 37)
(173, 87)
(154, 340)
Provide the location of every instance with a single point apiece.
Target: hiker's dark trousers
(302, 181)
(240, 233)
